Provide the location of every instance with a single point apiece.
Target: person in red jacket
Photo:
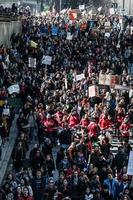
(85, 121)
(59, 116)
(125, 128)
(49, 124)
(25, 195)
(104, 123)
(73, 119)
(93, 129)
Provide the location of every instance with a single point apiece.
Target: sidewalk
(7, 150)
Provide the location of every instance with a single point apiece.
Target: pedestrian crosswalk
(116, 143)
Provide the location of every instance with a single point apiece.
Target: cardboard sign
(93, 91)
(46, 60)
(14, 89)
(55, 31)
(69, 36)
(79, 77)
(32, 62)
(81, 7)
(130, 164)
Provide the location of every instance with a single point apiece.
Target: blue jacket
(115, 187)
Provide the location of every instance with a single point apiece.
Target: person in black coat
(106, 195)
(120, 159)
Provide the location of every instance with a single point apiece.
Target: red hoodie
(104, 123)
(73, 121)
(93, 129)
(49, 125)
(124, 128)
(84, 122)
(59, 117)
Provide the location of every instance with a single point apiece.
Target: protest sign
(55, 31)
(108, 79)
(6, 111)
(93, 91)
(32, 62)
(69, 36)
(102, 79)
(130, 164)
(79, 77)
(121, 87)
(112, 11)
(66, 85)
(46, 60)
(81, 7)
(14, 89)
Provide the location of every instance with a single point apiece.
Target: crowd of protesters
(58, 113)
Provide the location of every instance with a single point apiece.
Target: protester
(69, 114)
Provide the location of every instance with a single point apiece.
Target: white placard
(93, 91)
(69, 36)
(79, 77)
(130, 164)
(46, 60)
(112, 11)
(81, 7)
(6, 111)
(32, 62)
(121, 87)
(14, 89)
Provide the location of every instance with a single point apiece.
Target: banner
(79, 77)
(108, 79)
(32, 62)
(69, 36)
(13, 89)
(55, 31)
(46, 60)
(93, 91)
(130, 164)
